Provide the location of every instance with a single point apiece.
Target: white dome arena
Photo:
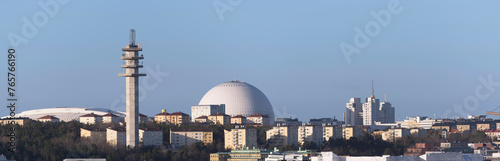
(239, 98)
(66, 113)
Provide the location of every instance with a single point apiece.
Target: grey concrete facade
(132, 75)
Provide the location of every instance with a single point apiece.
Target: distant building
(332, 132)
(466, 127)
(150, 137)
(324, 121)
(241, 155)
(176, 118)
(238, 120)
(354, 112)
(417, 122)
(393, 134)
(110, 118)
(206, 110)
(310, 133)
(116, 136)
(419, 149)
(258, 119)
(353, 131)
(95, 135)
(444, 126)
(238, 138)
(456, 147)
(282, 135)
(48, 118)
(386, 113)
(371, 111)
(493, 134)
(428, 156)
(201, 119)
(17, 120)
(90, 118)
(287, 121)
(219, 119)
(184, 137)
(161, 117)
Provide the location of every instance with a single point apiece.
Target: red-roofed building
(220, 119)
(176, 118)
(419, 149)
(239, 120)
(201, 119)
(258, 119)
(90, 118)
(110, 118)
(493, 134)
(48, 118)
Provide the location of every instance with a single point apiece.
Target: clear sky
(428, 57)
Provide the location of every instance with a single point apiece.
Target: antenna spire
(132, 37)
(373, 91)
(385, 97)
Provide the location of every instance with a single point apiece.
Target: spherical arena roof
(239, 98)
(66, 113)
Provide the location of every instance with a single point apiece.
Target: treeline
(38, 141)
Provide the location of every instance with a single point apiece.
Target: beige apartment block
(238, 120)
(90, 118)
(310, 133)
(219, 119)
(258, 119)
(185, 137)
(95, 135)
(116, 136)
(240, 138)
(110, 118)
(282, 135)
(48, 118)
(150, 137)
(332, 132)
(17, 120)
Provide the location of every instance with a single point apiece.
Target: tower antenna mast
(132, 37)
(373, 91)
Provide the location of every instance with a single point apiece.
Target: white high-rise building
(354, 112)
(369, 112)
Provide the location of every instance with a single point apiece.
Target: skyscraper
(132, 75)
(369, 112)
(354, 112)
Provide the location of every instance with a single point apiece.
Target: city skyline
(424, 59)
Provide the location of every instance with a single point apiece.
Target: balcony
(131, 74)
(125, 57)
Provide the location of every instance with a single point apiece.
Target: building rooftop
(238, 116)
(202, 117)
(91, 115)
(190, 130)
(108, 114)
(219, 114)
(258, 115)
(120, 129)
(48, 117)
(163, 113)
(179, 113)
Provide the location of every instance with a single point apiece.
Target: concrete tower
(132, 75)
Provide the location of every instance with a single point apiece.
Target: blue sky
(426, 59)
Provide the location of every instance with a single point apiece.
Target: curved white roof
(239, 98)
(66, 113)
